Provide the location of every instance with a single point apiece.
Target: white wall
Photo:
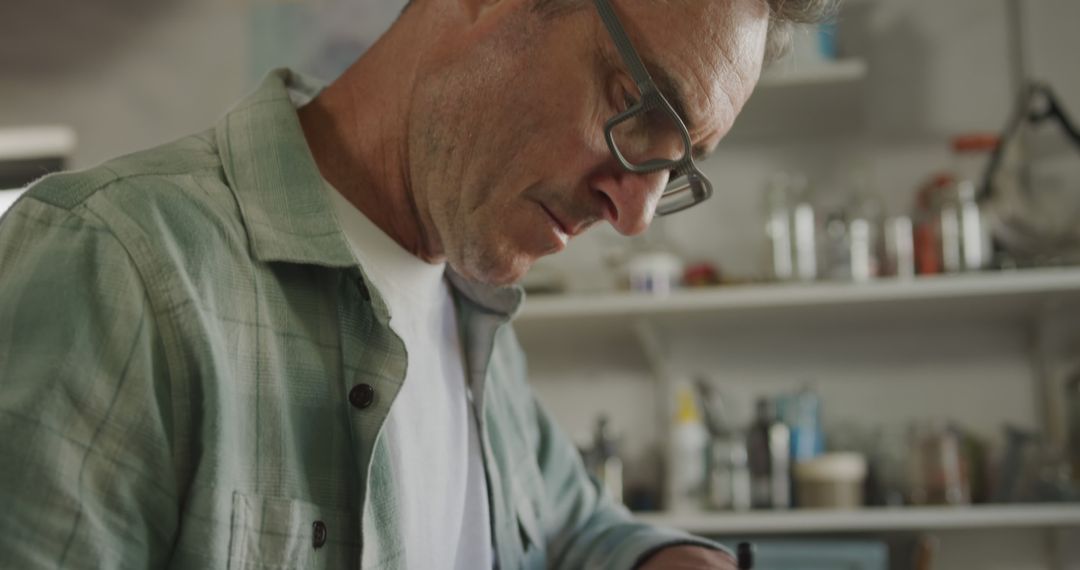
(124, 74)
(128, 74)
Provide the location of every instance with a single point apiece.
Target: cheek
(510, 236)
(514, 225)
(497, 246)
(577, 139)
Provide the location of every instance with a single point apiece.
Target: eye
(622, 95)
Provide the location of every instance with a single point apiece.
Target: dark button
(318, 534)
(745, 556)
(362, 395)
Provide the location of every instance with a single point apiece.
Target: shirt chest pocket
(271, 532)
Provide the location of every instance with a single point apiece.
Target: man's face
(508, 158)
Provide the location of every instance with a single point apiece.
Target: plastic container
(801, 412)
(655, 272)
(831, 481)
(686, 462)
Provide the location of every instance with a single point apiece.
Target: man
(239, 349)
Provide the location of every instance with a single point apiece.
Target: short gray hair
(783, 14)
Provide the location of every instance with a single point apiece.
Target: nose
(630, 199)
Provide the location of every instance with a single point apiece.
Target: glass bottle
(778, 228)
(607, 466)
(767, 447)
(927, 227)
(790, 227)
(864, 230)
(965, 234)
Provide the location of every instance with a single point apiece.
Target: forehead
(708, 52)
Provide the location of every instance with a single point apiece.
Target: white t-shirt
(431, 431)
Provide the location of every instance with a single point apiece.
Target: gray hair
(783, 14)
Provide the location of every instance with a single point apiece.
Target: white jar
(831, 481)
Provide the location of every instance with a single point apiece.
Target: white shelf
(825, 73)
(805, 99)
(1009, 296)
(23, 143)
(873, 519)
(7, 198)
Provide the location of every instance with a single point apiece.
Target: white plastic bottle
(686, 455)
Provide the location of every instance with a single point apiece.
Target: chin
(493, 268)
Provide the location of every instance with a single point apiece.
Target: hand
(688, 557)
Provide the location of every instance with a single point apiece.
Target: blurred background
(862, 353)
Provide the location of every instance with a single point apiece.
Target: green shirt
(194, 372)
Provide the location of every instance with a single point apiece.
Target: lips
(566, 224)
(558, 222)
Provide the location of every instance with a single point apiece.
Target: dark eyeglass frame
(653, 99)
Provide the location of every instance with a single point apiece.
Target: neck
(357, 130)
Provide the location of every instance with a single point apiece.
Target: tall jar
(965, 236)
(865, 230)
(790, 228)
(926, 221)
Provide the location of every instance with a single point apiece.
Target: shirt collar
(278, 186)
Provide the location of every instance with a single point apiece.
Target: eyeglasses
(644, 137)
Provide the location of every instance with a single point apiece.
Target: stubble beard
(464, 195)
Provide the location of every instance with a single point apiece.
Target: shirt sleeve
(590, 530)
(85, 480)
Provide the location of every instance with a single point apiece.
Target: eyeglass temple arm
(622, 42)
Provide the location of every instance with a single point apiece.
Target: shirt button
(362, 396)
(318, 534)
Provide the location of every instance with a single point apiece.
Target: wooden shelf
(873, 519)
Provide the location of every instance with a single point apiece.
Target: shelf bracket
(1048, 369)
(656, 357)
(653, 349)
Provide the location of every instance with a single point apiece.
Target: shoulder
(176, 189)
(190, 156)
(170, 208)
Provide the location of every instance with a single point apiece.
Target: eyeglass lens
(681, 193)
(648, 136)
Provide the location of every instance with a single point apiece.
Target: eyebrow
(667, 85)
(674, 95)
